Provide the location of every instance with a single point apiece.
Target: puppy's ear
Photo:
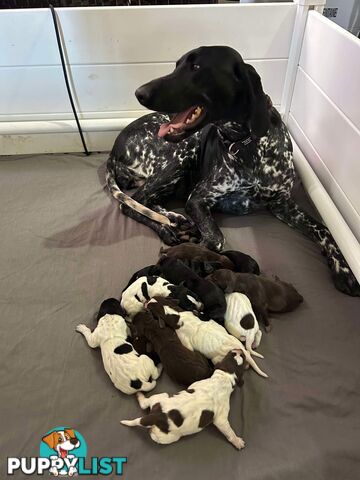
(172, 321)
(51, 439)
(259, 111)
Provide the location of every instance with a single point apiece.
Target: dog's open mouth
(183, 121)
(63, 452)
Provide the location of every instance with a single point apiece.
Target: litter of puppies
(188, 316)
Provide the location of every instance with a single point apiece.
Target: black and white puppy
(129, 371)
(149, 271)
(191, 410)
(210, 294)
(143, 289)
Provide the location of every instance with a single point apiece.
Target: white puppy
(128, 371)
(241, 322)
(191, 410)
(206, 337)
(145, 288)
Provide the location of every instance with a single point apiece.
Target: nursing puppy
(211, 296)
(149, 271)
(240, 321)
(128, 371)
(182, 365)
(191, 410)
(194, 252)
(144, 288)
(208, 338)
(242, 262)
(266, 295)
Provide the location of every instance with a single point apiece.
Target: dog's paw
(238, 443)
(213, 243)
(81, 328)
(345, 281)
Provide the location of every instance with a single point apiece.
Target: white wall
(111, 51)
(325, 112)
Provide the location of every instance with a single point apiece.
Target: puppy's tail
(253, 364)
(130, 202)
(146, 421)
(248, 343)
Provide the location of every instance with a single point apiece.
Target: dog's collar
(235, 136)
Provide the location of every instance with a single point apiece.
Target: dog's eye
(195, 66)
(60, 440)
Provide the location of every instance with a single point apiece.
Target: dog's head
(62, 441)
(208, 84)
(188, 300)
(233, 363)
(110, 306)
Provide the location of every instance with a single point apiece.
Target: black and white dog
(239, 163)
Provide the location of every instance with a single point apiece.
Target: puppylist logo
(63, 453)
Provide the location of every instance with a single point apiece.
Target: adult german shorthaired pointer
(240, 162)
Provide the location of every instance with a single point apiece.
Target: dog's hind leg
(286, 210)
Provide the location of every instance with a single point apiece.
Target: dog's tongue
(176, 122)
(62, 453)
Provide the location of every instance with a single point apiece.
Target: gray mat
(65, 246)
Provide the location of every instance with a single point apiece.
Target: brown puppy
(181, 364)
(266, 295)
(193, 252)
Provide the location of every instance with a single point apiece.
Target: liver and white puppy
(240, 321)
(128, 371)
(181, 364)
(145, 288)
(210, 294)
(62, 442)
(208, 338)
(149, 271)
(266, 295)
(191, 410)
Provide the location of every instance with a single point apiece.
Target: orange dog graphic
(62, 441)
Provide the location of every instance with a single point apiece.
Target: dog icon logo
(63, 446)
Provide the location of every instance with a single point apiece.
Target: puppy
(149, 271)
(241, 322)
(182, 365)
(208, 338)
(144, 288)
(193, 252)
(211, 296)
(128, 371)
(265, 295)
(191, 410)
(242, 262)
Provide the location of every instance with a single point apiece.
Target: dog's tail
(130, 202)
(147, 421)
(253, 364)
(248, 343)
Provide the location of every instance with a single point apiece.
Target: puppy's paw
(81, 328)
(238, 443)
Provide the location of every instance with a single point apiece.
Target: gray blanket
(65, 246)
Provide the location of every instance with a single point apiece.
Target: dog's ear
(51, 440)
(172, 321)
(71, 432)
(259, 116)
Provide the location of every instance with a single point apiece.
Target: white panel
(27, 37)
(333, 136)
(98, 88)
(351, 216)
(48, 143)
(147, 34)
(331, 57)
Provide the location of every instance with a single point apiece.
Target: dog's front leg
(90, 337)
(198, 207)
(286, 210)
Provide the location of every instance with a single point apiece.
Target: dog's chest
(110, 327)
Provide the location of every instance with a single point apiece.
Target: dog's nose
(74, 441)
(143, 94)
